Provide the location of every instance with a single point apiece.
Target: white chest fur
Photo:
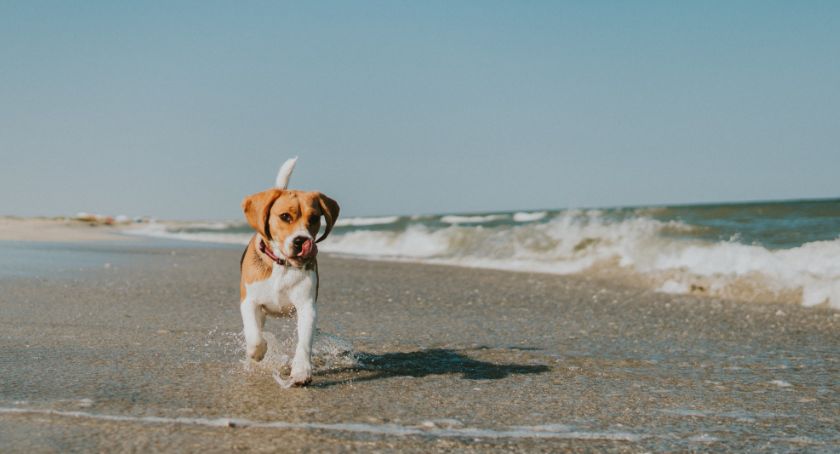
(285, 285)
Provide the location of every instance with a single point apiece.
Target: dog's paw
(300, 381)
(257, 352)
(301, 374)
(288, 383)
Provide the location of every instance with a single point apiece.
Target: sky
(178, 110)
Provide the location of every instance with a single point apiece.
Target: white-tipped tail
(285, 173)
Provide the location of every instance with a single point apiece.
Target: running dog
(279, 269)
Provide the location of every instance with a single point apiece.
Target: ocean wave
(813, 268)
(579, 241)
(181, 232)
(569, 243)
(414, 242)
(456, 219)
(359, 222)
(667, 255)
(211, 225)
(524, 216)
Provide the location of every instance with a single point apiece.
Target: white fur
(286, 285)
(285, 173)
(278, 248)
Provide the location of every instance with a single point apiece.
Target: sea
(778, 251)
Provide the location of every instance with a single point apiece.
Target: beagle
(279, 269)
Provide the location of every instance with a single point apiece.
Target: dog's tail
(285, 173)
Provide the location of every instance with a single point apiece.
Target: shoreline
(58, 229)
(748, 289)
(416, 357)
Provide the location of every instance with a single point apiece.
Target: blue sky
(179, 109)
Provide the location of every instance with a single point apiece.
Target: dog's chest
(284, 286)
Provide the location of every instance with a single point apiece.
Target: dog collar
(265, 250)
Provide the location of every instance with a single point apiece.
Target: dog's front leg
(304, 301)
(253, 320)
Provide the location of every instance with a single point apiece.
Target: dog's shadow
(426, 362)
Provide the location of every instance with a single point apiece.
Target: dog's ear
(330, 209)
(256, 208)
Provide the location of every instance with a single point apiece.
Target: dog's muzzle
(304, 248)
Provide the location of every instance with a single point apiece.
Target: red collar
(265, 250)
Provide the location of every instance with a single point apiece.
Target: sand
(137, 348)
(56, 229)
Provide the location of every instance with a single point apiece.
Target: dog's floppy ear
(256, 208)
(330, 209)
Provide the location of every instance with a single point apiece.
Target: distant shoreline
(58, 230)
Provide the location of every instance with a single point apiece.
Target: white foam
(161, 230)
(415, 242)
(568, 244)
(577, 240)
(210, 225)
(377, 429)
(523, 216)
(358, 222)
(455, 219)
(813, 267)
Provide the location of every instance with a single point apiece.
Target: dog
(279, 268)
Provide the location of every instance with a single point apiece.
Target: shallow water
(147, 355)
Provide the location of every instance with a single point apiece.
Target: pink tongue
(306, 248)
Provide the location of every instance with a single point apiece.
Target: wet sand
(138, 349)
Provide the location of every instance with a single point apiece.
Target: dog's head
(289, 220)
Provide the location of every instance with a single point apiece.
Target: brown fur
(263, 211)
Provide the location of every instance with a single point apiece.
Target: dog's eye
(314, 219)
(286, 217)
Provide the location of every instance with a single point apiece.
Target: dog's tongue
(307, 249)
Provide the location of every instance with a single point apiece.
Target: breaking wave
(233, 234)
(693, 251)
(455, 219)
(529, 217)
(357, 222)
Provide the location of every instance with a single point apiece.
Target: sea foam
(357, 222)
(669, 254)
(213, 234)
(529, 217)
(456, 219)
(578, 241)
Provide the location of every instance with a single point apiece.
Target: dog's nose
(303, 246)
(298, 241)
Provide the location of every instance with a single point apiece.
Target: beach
(56, 230)
(539, 227)
(134, 344)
